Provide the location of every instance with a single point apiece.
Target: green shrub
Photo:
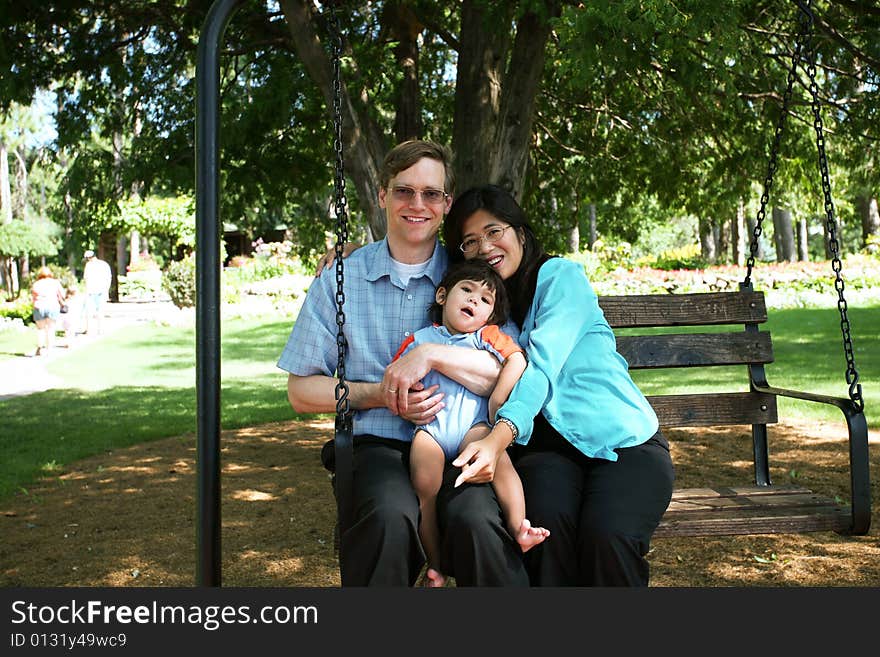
(179, 281)
(140, 284)
(594, 268)
(685, 257)
(21, 308)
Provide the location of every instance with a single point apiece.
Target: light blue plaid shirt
(380, 311)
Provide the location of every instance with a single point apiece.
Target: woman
(595, 469)
(47, 295)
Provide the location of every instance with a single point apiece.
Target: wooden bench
(761, 508)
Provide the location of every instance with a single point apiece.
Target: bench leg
(762, 457)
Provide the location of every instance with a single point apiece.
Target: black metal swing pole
(208, 291)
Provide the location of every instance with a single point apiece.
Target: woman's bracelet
(512, 426)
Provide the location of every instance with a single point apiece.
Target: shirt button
(409, 297)
(406, 334)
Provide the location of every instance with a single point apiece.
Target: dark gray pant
(382, 548)
(601, 514)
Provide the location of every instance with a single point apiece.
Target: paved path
(23, 375)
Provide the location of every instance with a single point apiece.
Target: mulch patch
(128, 517)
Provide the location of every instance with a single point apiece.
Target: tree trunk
(593, 233)
(20, 201)
(134, 248)
(867, 206)
(783, 235)
(803, 242)
(363, 143)
(481, 56)
(520, 87)
(5, 189)
(405, 28)
(738, 237)
(496, 87)
(707, 240)
(838, 246)
(723, 241)
(107, 251)
(8, 277)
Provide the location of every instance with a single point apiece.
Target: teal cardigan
(575, 376)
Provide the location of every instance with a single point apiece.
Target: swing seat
(762, 508)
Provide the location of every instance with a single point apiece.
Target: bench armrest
(857, 426)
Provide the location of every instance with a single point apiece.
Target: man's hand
(404, 375)
(423, 404)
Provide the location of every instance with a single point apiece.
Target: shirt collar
(380, 264)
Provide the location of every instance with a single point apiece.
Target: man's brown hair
(407, 153)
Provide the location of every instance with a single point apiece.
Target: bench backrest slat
(706, 410)
(744, 345)
(684, 309)
(695, 349)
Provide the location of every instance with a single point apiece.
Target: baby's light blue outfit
(463, 409)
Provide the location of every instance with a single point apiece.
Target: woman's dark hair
(473, 270)
(500, 204)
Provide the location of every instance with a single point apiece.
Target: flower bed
(785, 285)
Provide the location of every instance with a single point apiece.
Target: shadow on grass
(129, 518)
(45, 431)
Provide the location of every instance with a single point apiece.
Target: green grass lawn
(139, 384)
(18, 342)
(808, 352)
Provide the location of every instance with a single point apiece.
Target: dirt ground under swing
(127, 518)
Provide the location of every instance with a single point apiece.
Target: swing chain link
(343, 406)
(773, 163)
(852, 375)
(803, 42)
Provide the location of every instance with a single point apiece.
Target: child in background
(71, 321)
(470, 303)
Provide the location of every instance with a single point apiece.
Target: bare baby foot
(528, 536)
(434, 579)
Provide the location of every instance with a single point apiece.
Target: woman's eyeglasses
(472, 244)
(429, 196)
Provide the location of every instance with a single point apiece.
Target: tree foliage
(21, 238)
(642, 109)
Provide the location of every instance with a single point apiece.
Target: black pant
(601, 514)
(382, 547)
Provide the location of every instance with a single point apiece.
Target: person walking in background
(47, 296)
(97, 278)
(72, 319)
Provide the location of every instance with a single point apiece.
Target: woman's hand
(327, 259)
(479, 459)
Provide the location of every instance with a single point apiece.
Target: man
(97, 277)
(389, 286)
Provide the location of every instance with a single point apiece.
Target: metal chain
(772, 165)
(343, 406)
(852, 375)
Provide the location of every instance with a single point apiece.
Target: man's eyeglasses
(429, 196)
(472, 244)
